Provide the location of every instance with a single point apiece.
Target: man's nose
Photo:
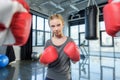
(56, 28)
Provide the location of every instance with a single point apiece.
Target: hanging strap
(88, 3)
(93, 3)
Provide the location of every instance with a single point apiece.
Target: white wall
(17, 52)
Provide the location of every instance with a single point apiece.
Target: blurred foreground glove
(111, 13)
(15, 22)
(49, 55)
(72, 51)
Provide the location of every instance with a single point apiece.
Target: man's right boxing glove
(20, 26)
(7, 10)
(111, 15)
(18, 29)
(72, 51)
(49, 55)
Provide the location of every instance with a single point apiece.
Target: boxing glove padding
(2, 27)
(20, 27)
(111, 15)
(9, 8)
(72, 51)
(49, 55)
(18, 30)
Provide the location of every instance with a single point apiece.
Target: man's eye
(52, 26)
(58, 25)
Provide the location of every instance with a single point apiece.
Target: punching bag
(111, 14)
(91, 22)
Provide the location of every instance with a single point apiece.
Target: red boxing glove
(111, 14)
(20, 27)
(15, 28)
(72, 51)
(49, 55)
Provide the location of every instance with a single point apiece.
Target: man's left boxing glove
(49, 55)
(7, 10)
(72, 51)
(20, 26)
(111, 15)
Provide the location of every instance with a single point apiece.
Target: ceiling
(65, 7)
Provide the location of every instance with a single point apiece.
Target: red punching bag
(111, 14)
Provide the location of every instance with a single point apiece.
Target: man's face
(56, 26)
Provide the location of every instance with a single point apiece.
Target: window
(47, 30)
(33, 30)
(40, 23)
(102, 25)
(40, 31)
(106, 40)
(74, 33)
(82, 40)
(33, 38)
(82, 28)
(40, 38)
(77, 33)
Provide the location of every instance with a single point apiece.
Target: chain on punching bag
(91, 21)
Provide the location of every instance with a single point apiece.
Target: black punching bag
(91, 22)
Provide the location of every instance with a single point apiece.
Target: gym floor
(95, 68)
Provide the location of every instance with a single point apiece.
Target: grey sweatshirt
(59, 69)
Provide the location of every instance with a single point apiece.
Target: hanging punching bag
(91, 22)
